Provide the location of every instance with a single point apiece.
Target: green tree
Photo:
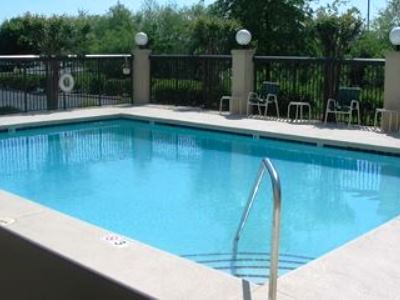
(368, 45)
(211, 35)
(336, 32)
(386, 20)
(168, 27)
(61, 35)
(113, 32)
(40, 35)
(279, 27)
(20, 35)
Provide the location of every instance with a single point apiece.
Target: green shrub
(6, 110)
(186, 92)
(95, 84)
(17, 81)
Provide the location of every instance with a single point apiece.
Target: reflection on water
(184, 190)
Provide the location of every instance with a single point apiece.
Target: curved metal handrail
(266, 164)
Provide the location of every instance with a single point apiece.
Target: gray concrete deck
(366, 268)
(365, 138)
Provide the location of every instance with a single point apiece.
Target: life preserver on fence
(66, 83)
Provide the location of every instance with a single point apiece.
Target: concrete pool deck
(366, 268)
(357, 137)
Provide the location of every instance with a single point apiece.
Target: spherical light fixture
(141, 39)
(394, 37)
(243, 37)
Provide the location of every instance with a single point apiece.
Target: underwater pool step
(252, 266)
(245, 253)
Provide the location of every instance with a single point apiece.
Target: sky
(9, 9)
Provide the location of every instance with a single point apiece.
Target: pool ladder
(266, 165)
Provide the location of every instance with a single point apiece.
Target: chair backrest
(347, 94)
(269, 87)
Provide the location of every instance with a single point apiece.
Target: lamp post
(394, 37)
(141, 69)
(392, 87)
(242, 72)
(243, 37)
(141, 39)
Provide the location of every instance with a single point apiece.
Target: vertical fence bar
(25, 90)
(98, 83)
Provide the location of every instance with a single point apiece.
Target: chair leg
(326, 117)
(390, 121)
(277, 108)
(376, 119)
(350, 117)
(309, 113)
(358, 116)
(220, 106)
(266, 109)
(288, 111)
(259, 110)
(247, 110)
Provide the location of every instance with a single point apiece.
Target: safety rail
(266, 165)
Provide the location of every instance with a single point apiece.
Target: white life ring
(66, 83)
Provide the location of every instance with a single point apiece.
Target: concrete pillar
(242, 79)
(392, 88)
(141, 76)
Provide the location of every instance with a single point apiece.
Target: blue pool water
(183, 190)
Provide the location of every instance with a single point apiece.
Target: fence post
(52, 72)
(242, 79)
(392, 89)
(328, 83)
(141, 76)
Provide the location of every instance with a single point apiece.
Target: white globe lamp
(141, 39)
(243, 37)
(394, 37)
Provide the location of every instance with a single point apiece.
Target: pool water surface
(183, 190)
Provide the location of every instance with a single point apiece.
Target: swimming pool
(183, 190)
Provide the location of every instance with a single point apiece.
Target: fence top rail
(107, 55)
(189, 56)
(27, 57)
(317, 59)
(367, 60)
(12, 57)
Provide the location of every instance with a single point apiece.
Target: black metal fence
(31, 83)
(190, 80)
(314, 80)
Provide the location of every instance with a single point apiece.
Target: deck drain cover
(5, 221)
(115, 240)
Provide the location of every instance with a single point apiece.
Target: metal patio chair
(268, 95)
(346, 103)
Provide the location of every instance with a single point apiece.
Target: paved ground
(366, 268)
(342, 135)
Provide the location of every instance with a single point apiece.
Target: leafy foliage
(278, 27)
(336, 32)
(212, 35)
(386, 20)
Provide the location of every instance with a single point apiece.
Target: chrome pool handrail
(266, 164)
